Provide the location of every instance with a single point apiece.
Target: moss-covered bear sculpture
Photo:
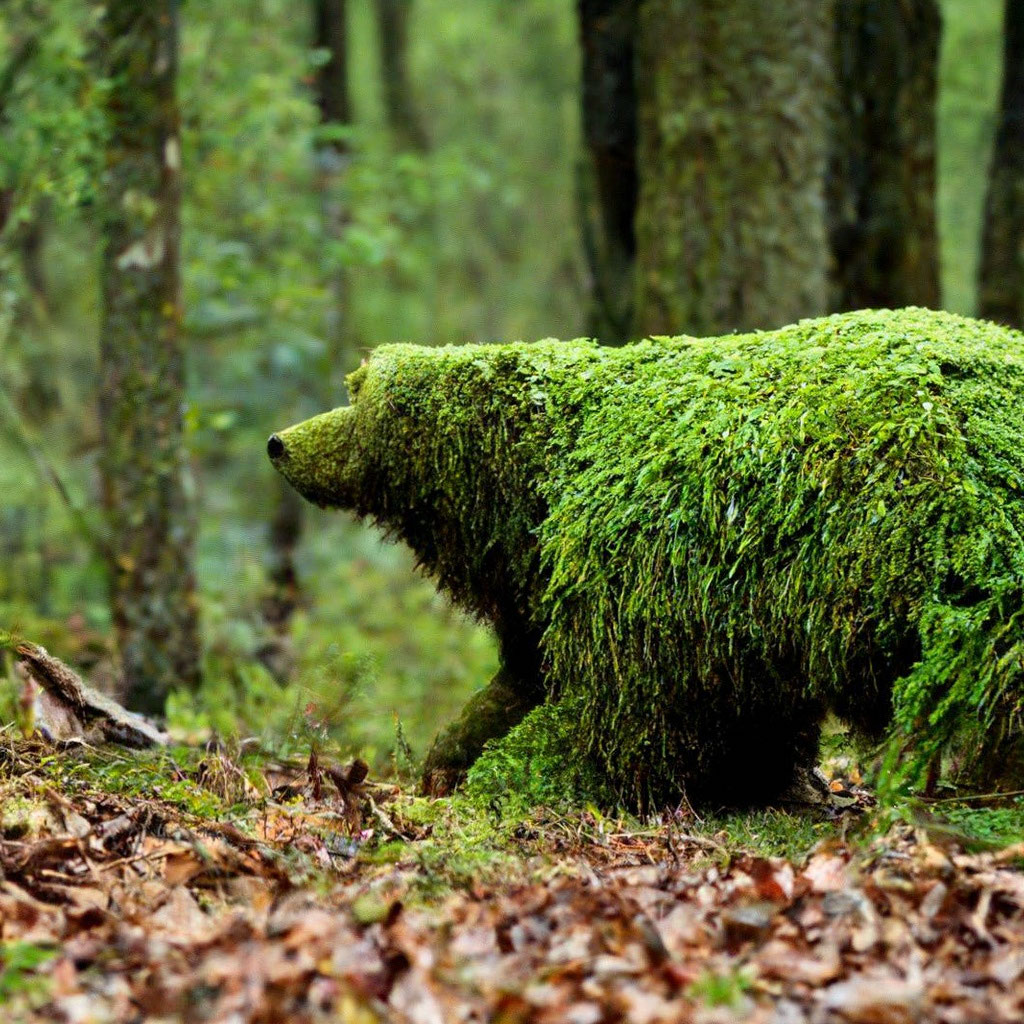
(693, 549)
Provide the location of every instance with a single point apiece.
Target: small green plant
(727, 989)
(403, 756)
(769, 833)
(19, 962)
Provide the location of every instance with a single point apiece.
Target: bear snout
(275, 447)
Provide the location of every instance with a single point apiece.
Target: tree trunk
(284, 533)
(608, 186)
(393, 39)
(732, 138)
(331, 93)
(1001, 278)
(881, 172)
(144, 461)
(330, 33)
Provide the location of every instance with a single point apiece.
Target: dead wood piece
(69, 709)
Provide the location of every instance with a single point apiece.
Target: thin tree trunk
(393, 39)
(142, 362)
(608, 174)
(881, 176)
(282, 600)
(330, 33)
(331, 92)
(1001, 277)
(731, 151)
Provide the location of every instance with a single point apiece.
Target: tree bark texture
(144, 462)
(1001, 276)
(608, 187)
(393, 39)
(881, 170)
(732, 143)
(330, 33)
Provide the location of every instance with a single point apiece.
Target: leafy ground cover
(197, 886)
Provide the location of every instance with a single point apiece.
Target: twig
(973, 799)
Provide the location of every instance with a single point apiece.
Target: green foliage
(768, 833)
(48, 121)
(991, 826)
(377, 644)
(19, 962)
(721, 989)
(719, 539)
(162, 775)
(471, 240)
(462, 845)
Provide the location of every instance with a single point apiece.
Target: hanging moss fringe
(715, 541)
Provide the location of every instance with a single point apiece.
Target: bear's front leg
(516, 689)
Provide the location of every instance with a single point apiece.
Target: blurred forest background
(441, 193)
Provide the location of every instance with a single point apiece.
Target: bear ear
(354, 381)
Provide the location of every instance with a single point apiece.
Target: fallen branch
(68, 708)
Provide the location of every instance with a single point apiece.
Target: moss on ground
(713, 542)
(206, 786)
(444, 844)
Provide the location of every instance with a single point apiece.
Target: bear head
(448, 449)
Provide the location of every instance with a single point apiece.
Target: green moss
(713, 542)
(24, 985)
(986, 827)
(461, 844)
(21, 817)
(768, 833)
(529, 767)
(169, 775)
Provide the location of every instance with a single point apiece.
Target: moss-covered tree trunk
(881, 171)
(1001, 277)
(732, 142)
(393, 40)
(608, 174)
(144, 460)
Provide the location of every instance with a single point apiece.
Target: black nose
(275, 447)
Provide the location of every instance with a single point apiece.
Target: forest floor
(198, 886)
